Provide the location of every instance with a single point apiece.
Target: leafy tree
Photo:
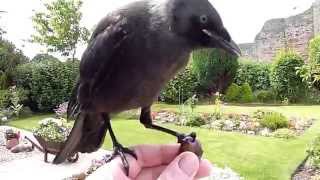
(59, 27)
(10, 57)
(311, 71)
(215, 69)
(43, 57)
(284, 80)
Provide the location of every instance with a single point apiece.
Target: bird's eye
(203, 19)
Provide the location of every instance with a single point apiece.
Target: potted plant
(51, 134)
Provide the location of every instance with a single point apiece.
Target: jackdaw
(133, 52)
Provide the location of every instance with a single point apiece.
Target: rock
(243, 125)
(228, 125)
(22, 147)
(217, 125)
(265, 132)
(224, 174)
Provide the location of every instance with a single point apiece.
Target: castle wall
(285, 33)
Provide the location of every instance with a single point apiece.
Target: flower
(53, 130)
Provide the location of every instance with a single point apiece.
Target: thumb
(185, 166)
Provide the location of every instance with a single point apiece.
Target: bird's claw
(190, 143)
(120, 150)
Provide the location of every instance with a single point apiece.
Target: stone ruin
(284, 33)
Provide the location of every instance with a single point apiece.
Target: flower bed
(243, 123)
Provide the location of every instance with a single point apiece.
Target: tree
(10, 57)
(215, 69)
(58, 28)
(284, 80)
(43, 57)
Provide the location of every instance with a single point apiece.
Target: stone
(228, 125)
(265, 132)
(293, 32)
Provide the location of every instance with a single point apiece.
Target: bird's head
(200, 23)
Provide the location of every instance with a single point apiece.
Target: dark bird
(133, 52)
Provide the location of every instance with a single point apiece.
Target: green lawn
(255, 158)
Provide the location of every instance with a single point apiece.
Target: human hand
(161, 162)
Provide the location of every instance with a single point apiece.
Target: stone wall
(284, 33)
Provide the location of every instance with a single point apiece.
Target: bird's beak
(229, 46)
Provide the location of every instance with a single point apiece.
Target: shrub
(274, 120)
(232, 93)
(196, 121)
(284, 80)
(255, 73)
(314, 50)
(284, 133)
(265, 96)
(49, 83)
(310, 72)
(246, 94)
(314, 152)
(4, 98)
(180, 88)
(214, 68)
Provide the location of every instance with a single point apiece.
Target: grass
(255, 158)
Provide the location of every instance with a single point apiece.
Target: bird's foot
(120, 150)
(190, 143)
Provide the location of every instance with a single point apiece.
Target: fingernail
(189, 163)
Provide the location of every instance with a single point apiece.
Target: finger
(185, 166)
(111, 170)
(156, 155)
(205, 168)
(150, 173)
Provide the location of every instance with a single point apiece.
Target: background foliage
(214, 68)
(284, 80)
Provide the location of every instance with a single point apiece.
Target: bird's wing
(97, 61)
(95, 64)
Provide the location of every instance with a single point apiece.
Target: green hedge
(49, 82)
(183, 86)
(255, 73)
(284, 79)
(215, 69)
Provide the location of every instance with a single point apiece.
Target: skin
(156, 162)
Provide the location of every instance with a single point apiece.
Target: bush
(255, 73)
(284, 133)
(284, 80)
(314, 152)
(196, 121)
(214, 68)
(274, 120)
(265, 96)
(49, 83)
(314, 50)
(180, 88)
(4, 99)
(246, 94)
(232, 93)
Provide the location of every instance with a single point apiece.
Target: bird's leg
(187, 141)
(118, 149)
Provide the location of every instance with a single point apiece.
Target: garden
(255, 120)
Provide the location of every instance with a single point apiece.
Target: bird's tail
(87, 134)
